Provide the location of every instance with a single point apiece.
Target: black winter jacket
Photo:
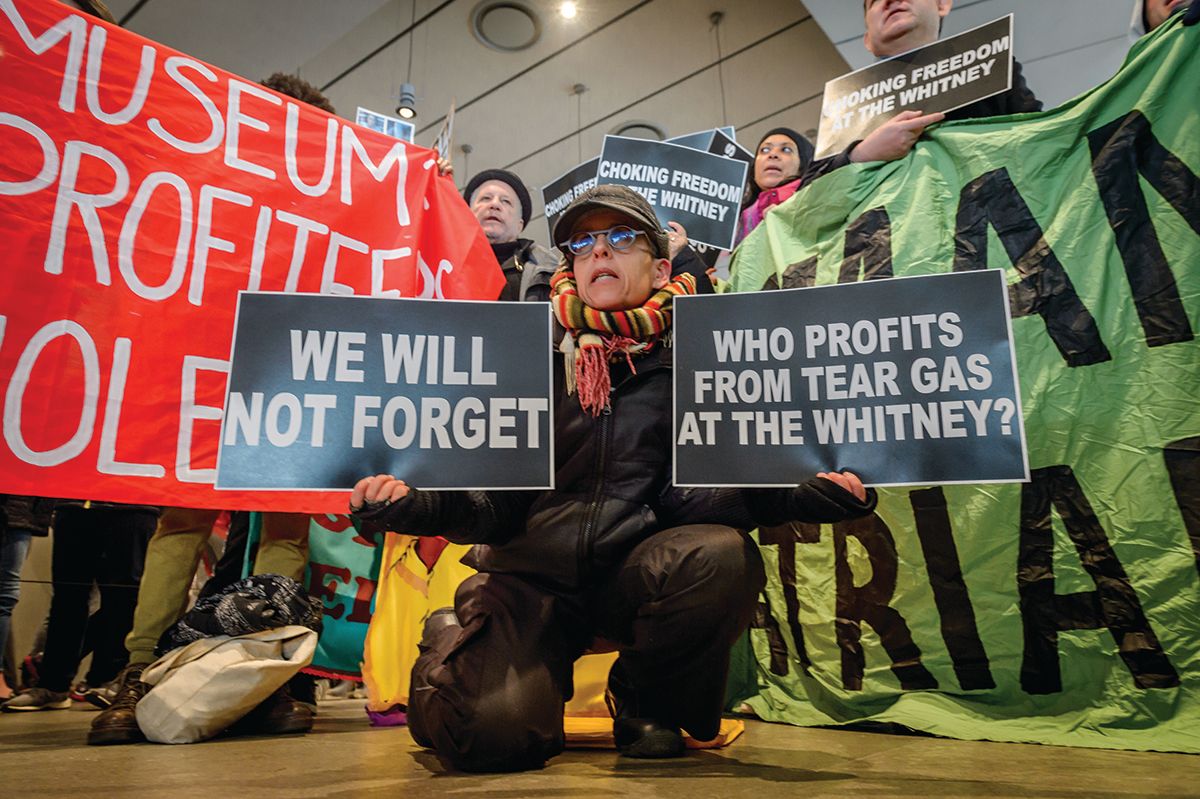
(613, 490)
(30, 514)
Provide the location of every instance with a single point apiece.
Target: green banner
(1065, 610)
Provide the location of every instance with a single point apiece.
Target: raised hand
(895, 138)
(847, 480)
(380, 489)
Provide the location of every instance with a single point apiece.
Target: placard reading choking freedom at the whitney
(943, 76)
(698, 190)
(903, 381)
(325, 390)
(562, 191)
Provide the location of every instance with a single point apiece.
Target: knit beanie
(504, 176)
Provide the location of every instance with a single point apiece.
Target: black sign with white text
(942, 76)
(698, 190)
(903, 381)
(562, 191)
(728, 147)
(443, 394)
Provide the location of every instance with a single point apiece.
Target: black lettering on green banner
(1120, 151)
(868, 248)
(765, 620)
(1114, 604)
(959, 629)
(1183, 465)
(869, 603)
(1111, 182)
(786, 537)
(1044, 287)
(799, 275)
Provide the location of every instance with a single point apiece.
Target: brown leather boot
(278, 714)
(118, 724)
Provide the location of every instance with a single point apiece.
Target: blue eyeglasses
(620, 238)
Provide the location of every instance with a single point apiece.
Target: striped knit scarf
(597, 337)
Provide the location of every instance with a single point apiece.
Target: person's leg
(283, 548)
(488, 692)
(14, 546)
(233, 557)
(125, 534)
(76, 549)
(171, 559)
(675, 606)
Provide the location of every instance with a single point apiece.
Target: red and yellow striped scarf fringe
(597, 337)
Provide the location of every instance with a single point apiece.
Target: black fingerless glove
(818, 500)
(402, 516)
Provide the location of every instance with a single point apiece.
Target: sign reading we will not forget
(942, 76)
(326, 390)
(698, 190)
(781, 384)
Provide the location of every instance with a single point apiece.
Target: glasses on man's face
(620, 238)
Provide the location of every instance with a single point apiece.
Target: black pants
(489, 695)
(106, 546)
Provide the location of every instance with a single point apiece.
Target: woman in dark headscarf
(780, 160)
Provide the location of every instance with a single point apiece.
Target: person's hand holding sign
(895, 138)
(847, 480)
(676, 239)
(382, 489)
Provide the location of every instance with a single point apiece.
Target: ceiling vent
(639, 129)
(506, 26)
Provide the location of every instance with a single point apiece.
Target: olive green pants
(174, 553)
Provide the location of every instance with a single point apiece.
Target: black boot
(637, 729)
(439, 620)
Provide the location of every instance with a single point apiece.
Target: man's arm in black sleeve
(824, 166)
(464, 517)
(688, 260)
(818, 500)
(1021, 98)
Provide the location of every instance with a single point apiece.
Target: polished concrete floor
(43, 755)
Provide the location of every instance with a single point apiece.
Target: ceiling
(540, 111)
(653, 61)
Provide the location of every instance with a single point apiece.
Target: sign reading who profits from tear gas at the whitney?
(778, 385)
(698, 190)
(443, 394)
(942, 76)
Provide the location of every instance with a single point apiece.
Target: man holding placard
(615, 554)
(893, 27)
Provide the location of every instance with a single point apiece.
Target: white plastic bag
(200, 689)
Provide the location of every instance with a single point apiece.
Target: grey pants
(488, 695)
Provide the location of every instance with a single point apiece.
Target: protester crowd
(667, 576)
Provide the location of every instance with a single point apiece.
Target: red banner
(140, 190)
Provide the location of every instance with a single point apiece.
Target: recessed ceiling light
(568, 10)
